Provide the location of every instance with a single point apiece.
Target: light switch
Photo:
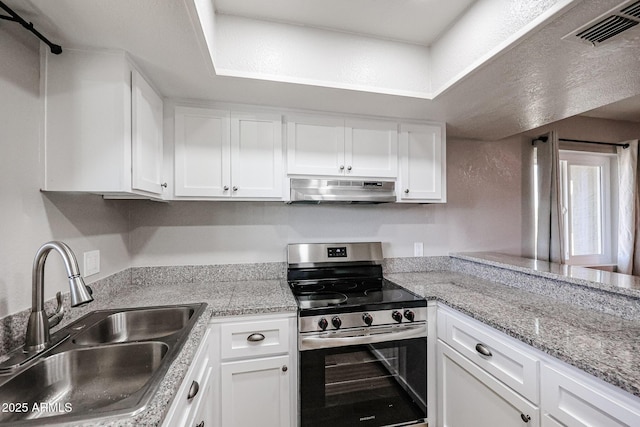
(91, 263)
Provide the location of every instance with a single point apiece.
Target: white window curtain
(629, 212)
(549, 242)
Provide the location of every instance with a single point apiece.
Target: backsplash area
(601, 295)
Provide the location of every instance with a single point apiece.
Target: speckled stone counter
(223, 299)
(590, 326)
(600, 344)
(612, 293)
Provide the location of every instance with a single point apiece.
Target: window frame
(608, 205)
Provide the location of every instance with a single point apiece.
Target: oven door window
(364, 385)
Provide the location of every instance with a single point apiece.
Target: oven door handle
(335, 340)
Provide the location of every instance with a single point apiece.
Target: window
(588, 191)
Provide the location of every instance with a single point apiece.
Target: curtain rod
(14, 17)
(546, 138)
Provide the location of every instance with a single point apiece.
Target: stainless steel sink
(136, 325)
(93, 372)
(83, 380)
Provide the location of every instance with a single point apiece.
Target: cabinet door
(468, 396)
(315, 145)
(256, 392)
(256, 155)
(580, 402)
(202, 152)
(87, 125)
(422, 163)
(371, 148)
(203, 411)
(146, 142)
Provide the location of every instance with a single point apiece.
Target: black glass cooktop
(325, 298)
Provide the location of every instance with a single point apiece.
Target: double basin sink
(109, 362)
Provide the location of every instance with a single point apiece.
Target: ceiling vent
(609, 25)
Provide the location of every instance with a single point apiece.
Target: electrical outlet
(418, 249)
(91, 263)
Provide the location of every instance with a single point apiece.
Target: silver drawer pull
(195, 388)
(255, 337)
(480, 348)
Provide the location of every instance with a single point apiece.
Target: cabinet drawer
(252, 339)
(574, 401)
(492, 352)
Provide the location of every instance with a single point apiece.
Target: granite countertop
(600, 344)
(623, 284)
(222, 298)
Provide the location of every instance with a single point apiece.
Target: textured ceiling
(540, 80)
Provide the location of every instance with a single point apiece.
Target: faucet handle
(56, 317)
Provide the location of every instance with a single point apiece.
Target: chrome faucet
(38, 335)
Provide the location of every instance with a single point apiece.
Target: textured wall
(28, 217)
(299, 54)
(482, 213)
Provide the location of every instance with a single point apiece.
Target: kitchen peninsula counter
(603, 345)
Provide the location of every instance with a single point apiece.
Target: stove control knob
(367, 318)
(397, 316)
(322, 323)
(336, 322)
(409, 315)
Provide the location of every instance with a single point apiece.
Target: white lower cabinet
(191, 406)
(574, 399)
(486, 378)
(256, 387)
(469, 396)
(257, 364)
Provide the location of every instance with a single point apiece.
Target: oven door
(375, 384)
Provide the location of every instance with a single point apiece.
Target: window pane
(586, 209)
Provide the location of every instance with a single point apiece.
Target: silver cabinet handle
(235, 188)
(164, 184)
(341, 167)
(195, 388)
(201, 424)
(349, 168)
(284, 368)
(480, 348)
(225, 188)
(525, 418)
(255, 337)
(406, 191)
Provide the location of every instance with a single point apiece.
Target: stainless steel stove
(362, 339)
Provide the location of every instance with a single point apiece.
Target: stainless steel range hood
(341, 191)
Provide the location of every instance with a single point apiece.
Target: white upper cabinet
(227, 154)
(256, 155)
(315, 145)
(371, 148)
(202, 152)
(103, 125)
(147, 143)
(333, 146)
(422, 163)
